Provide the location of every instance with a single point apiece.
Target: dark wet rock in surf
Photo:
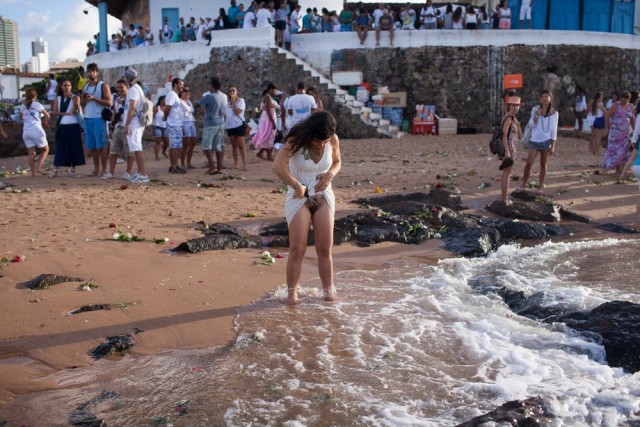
(83, 416)
(617, 323)
(616, 228)
(116, 345)
(531, 412)
(45, 281)
(541, 199)
(219, 238)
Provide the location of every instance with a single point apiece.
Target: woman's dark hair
(449, 9)
(594, 102)
(320, 125)
(160, 99)
(270, 86)
(457, 15)
(549, 108)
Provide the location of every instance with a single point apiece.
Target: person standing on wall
(96, 95)
(525, 13)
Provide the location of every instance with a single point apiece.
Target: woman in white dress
(308, 163)
(31, 113)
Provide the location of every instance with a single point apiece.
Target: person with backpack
(96, 97)
(133, 128)
(511, 134)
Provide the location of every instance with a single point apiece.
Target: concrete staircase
(342, 97)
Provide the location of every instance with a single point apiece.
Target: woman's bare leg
(323, 221)
(298, 236)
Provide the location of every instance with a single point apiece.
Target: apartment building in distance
(9, 48)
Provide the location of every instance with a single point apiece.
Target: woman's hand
(299, 191)
(324, 179)
(553, 148)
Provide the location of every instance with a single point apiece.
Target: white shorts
(134, 139)
(636, 172)
(35, 138)
(525, 13)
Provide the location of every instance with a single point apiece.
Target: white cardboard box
(347, 78)
(447, 126)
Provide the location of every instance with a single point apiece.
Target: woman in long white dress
(308, 163)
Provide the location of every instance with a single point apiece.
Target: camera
(118, 115)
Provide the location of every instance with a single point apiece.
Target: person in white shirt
(166, 31)
(408, 17)
(200, 30)
(262, 17)
(132, 126)
(174, 116)
(208, 28)
(31, 112)
(428, 17)
(525, 13)
(299, 107)
(250, 17)
(294, 20)
(377, 14)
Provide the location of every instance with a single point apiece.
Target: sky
(61, 23)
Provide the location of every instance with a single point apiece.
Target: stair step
(375, 116)
(366, 109)
(393, 128)
(384, 122)
(358, 104)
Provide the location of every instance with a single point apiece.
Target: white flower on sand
(129, 236)
(259, 335)
(266, 256)
(116, 235)
(437, 236)
(166, 239)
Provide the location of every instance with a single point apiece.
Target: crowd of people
(105, 124)
(287, 18)
(617, 120)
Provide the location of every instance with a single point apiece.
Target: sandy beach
(62, 226)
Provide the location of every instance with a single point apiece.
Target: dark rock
(92, 307)
(530, 412)
(618, 324)
(215, 241)
(437, 197)
(45, 281)
(83, 416)
(615, 228)
(565, 214)
(531, 211)
(114, 345)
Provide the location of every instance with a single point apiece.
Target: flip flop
(506, 163)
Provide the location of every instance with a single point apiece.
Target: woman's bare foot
(330, 293)
(292, 296)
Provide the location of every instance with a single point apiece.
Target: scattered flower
(250, 215)
(126, 237)
(112, 225)
(18, 258)
(161, 241)
(378, 190)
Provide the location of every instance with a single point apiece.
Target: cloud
(68, 37)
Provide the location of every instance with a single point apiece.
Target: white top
(188, 111)
(294, 21)
(546, 129)
(148, 39)
(300, 105)
(262, 18)
(636, 132)
(200, 32)
(234, 120)
(376, 16)
(428, 14)
(31, 117)
(505, 13)
(305, 171)
(133, 94)
(176, 114)
(248, 19)
(471, 18)
(53, 85)
(158, 119)
(93, 110)
(113, 45)
(67, 120)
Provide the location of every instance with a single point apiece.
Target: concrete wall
(12, 84)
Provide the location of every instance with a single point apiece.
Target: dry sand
(189, 301)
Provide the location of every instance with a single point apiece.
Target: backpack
(145, 116)
(495, 145)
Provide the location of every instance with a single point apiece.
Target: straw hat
(513, 100)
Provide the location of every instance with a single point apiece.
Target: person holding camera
(96, 95)
(118, 136)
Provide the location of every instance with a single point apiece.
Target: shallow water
(402, 347)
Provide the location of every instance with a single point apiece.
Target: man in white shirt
(299, 107)
(250, 17)
(377, 14)
(208, 28)
(132, 126)
(174, 116)
(428, 17)
(167, 31)
(525, 13)
(262, 17)
(294, 19)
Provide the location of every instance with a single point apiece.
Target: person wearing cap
(544, 132)
(265, 136)
(511, 134)
(132, 126)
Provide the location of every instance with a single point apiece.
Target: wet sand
(189, 301)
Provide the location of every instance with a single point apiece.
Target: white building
(40, 56)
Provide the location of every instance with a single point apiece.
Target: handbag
(80, 117)
(526, 137)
